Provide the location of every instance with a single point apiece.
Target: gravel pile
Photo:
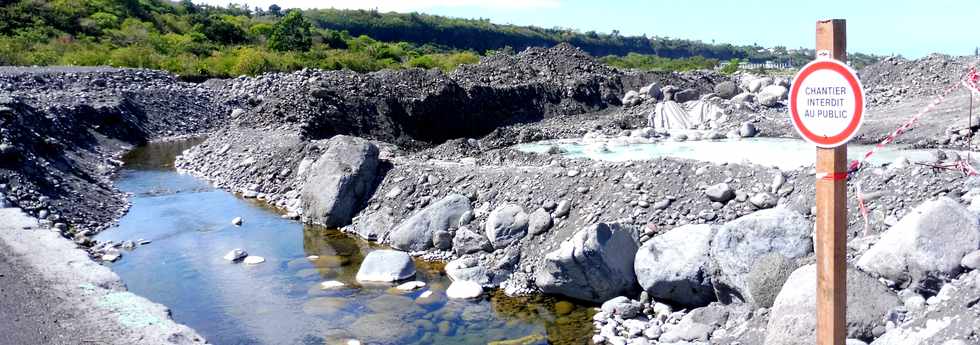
(895, 79)
(63, 130)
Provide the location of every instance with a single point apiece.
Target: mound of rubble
(63, 130)
(896, 79)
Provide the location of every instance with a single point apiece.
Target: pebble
(253, 260)
(462, 289)
(331, 284)
(236, 254)
(410, 286)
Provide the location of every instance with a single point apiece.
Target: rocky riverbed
(671, 250)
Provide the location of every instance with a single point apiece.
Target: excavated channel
(186, 226)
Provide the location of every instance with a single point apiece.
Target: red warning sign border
(852, 128)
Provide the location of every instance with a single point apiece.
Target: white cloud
(395, 5)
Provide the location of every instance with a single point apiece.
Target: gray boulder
(652, 91)
(697, 326)
(631, 98)
(744, 97)
(622, 306)
(669, 91)
(747, 130)
(675, 266)
(340, 181)
(595, 264)
(791, 319)
(506, 224)
(758, 84)
(771, 95)
(686, 95)
(929, 242)
(726, 89)
(741, 245)
(416, 232)
(442, 240)
(721, 192)
(468, 241)
(374, 225)
(468, 269)
(764, 279)
(540, 222)
(386, 266)
(763, 200)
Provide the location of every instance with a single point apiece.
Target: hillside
(206, 41)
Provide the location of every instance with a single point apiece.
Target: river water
(188, 224)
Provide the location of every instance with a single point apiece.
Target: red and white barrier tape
(972, 82)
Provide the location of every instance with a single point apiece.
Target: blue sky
(907, 27)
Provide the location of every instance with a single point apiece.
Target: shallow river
(280, 301)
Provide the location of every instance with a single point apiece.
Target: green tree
(275, 10)
(223, 30)
(291, 33)
(731, 67)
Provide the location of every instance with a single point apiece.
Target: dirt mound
(895, 79)
(420, 108)
(63, 128)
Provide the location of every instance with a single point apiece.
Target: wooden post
(831, 203)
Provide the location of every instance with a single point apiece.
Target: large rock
(742, 244)
(468, 241)
(771, 95)
(595, 264)
(726, 89)
(929, 242)
(622, 306)
(697, 326)
(540, 222)
(652, 91)
(467, 269)
(340, 181)
(744, 97)
(686, 95)
(758, 84)
(506, 224)
(386, 266)
(791, 319)
(747, 130)
(721, 192)
(675, 266)
(415, 233)
(462, 289)
(374, 225)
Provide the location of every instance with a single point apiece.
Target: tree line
(213, 41)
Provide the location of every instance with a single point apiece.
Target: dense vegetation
(200, 40)
(482, 35)
(194, 40)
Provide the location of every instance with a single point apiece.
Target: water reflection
(281, 301)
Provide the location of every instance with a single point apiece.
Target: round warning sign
(826, 103)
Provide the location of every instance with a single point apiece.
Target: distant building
(757, 65)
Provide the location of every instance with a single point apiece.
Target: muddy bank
(56, 295)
